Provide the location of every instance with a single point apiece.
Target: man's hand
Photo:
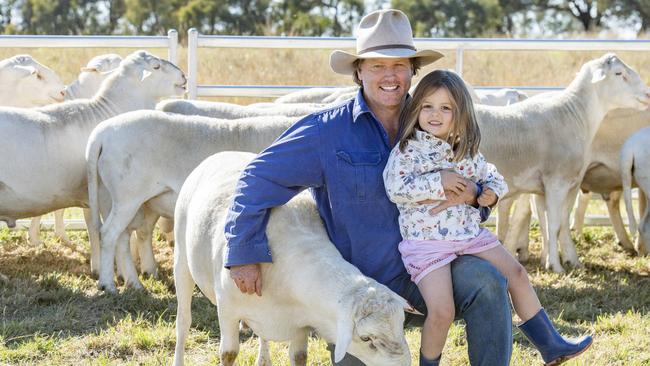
(487, 198)
(248, 278)
(453, 182)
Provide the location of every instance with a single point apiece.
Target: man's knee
(348, 360)
(475, 279)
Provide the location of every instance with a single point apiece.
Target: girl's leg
(524, 298)
(437, 291)
(536, 325)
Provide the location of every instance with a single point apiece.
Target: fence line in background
(196, 40)
(170, 41)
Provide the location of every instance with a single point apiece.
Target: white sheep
(321, 291)
(85, 86)
(541, 145)
(635, 163)
(26, 83)
(92, 75)
(235, 111)
(150, 182)
(51, 140)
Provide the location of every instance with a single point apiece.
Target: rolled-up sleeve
(291, 164)
(405, 184)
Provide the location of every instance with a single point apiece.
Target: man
(340, 154)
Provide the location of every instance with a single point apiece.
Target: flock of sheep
(114, 148)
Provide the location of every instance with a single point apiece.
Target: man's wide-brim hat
(382, 34)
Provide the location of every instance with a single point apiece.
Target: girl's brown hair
(464, 135)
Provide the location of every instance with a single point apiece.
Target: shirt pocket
(360, 174)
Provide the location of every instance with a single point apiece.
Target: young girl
(439, 143)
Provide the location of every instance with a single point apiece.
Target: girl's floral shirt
(414, 175)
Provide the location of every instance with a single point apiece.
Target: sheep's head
(92, 75)
(617, 84)
(154, 74)
(374, 329)
(29, 83)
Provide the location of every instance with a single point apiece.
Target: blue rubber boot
(554, 348)
(427, 362)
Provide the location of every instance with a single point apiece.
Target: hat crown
(382, 29)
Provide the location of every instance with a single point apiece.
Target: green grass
(53, 314)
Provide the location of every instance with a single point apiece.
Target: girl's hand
(487, 198)
(453, 199)
(452, 182)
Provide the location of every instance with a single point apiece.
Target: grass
(53, 314)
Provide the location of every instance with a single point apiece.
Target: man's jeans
(481, 298)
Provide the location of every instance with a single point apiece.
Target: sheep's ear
(145, 74)
(344, 329)
(26, 70)
(599, 74)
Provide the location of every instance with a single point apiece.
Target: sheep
(92, 75)
(26, 83)
(234, 111)
(156, 145)
(28, 138)
(603, 176)
(635, 163)
(521, 141)
(85, 86)
(322, 291)
(505, 96)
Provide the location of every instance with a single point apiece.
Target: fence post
(172, 51)
(459, 61)
(192, 61)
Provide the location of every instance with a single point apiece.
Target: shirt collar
(360, 106)
(423, 136)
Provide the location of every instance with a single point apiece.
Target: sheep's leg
(144, 244)
(567, 246)
(540, 208)
(503, 217)
(613, 202)
(263, 353)
(642, 243)
(167, 227)
(229, 330)
(298, 348)
(184, 288)
(580, 211)
(59, 228)
(34, 232)
(517, 238)
(125, 263)
(555, 196)
(112, 230)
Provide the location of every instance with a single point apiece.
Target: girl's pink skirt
(420, 257)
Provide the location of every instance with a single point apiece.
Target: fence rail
(170, 41)
(460, 45)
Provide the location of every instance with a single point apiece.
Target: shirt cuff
(247, 254)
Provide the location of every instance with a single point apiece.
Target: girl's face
(436, 113)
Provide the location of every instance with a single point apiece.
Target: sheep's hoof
(109, 289)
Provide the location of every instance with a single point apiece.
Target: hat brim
(341, 61)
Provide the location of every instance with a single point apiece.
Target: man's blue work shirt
(340, 154)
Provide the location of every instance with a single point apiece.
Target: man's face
(385, 81)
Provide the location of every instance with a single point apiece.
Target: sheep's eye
(38, 76)
(365, 338)
(619, 73)
(156, 67)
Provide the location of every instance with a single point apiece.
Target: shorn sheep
(51, 140)
(320, 292)
(156, 145)
(541, 145)
(85, 86)
(26, 83)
